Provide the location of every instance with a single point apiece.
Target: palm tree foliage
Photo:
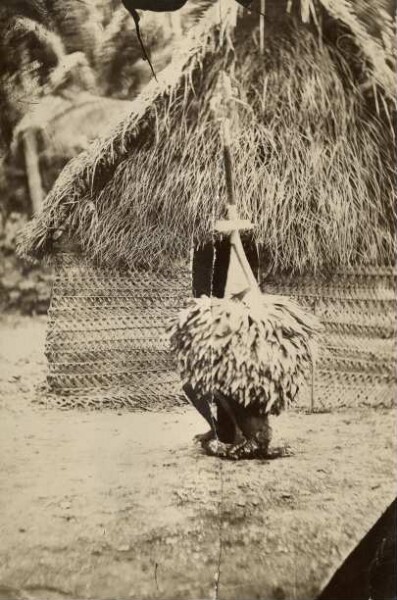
(54, 49)
(44, 35)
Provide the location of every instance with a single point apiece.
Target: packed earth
(116, 504)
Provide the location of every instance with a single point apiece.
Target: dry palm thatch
(314, 161)
(372, 25)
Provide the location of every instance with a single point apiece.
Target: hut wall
(355, 363)
(107, 343)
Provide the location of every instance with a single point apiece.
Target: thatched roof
(313, 153)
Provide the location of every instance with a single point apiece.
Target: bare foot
(246, 450)
(216, 448)
(202, 438)
(249, 449)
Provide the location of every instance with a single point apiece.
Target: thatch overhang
(314, 154)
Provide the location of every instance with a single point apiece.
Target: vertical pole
(313, 381)
(33, 170)
(227, 140)
(227, 158)
(262, 27)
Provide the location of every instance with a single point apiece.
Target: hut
(313, 148)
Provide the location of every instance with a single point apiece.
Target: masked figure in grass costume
(241, 358)
(241, 354)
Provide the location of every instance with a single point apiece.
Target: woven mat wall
(356, 362)
(107, 344)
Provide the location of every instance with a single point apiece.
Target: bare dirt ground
(114, 505)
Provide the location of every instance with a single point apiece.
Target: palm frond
(44, 35)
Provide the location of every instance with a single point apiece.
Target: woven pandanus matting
(356, 361)
(106, 343)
